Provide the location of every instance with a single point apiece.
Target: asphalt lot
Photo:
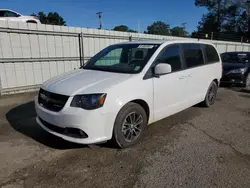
(199, 147)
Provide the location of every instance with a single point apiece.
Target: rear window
(193, 55)
(211, 54)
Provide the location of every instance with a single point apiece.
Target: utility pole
(139, 25)
(184, 28)
(100, 19)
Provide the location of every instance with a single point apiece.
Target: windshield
(122, 58)
(235, 57)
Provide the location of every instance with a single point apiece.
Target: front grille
(72, 132)
(51, 101)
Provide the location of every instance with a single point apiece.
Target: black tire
(122, 130)
(211, 95)
(247, 82)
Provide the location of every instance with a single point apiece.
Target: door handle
(187, 76)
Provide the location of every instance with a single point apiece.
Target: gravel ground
(199, 147)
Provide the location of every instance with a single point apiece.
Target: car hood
(83, 81)
(231, 66)
(29, 17)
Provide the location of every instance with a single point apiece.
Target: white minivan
(127, 86)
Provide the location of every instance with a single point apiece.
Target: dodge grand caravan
(127, 86)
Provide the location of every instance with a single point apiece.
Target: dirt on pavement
(199, 147)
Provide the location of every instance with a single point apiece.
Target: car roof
(5, 10)
(166, 41)
(239, 52)
(9, 10)
(144, 42)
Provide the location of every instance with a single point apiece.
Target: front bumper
(98, 127)
(238, 79)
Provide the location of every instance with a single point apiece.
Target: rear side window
(171, 55)
(9, 14)
(193, 55)
(1, 13)
(211, 54)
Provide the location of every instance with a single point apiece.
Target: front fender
(119, 96)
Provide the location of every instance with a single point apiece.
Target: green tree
(231, 19)
(123, 28)
(132, 31)
(223, 17)
(215, 8)
(158, 28)
(179, 31)
(243, 24)
(242, 18)
(52, 18)
(206, 26)
(207, 23)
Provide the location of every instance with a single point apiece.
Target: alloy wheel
(212, 94)
(132, 126)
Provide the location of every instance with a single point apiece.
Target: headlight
(89, 101)
(236, 71)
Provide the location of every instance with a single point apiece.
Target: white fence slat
(3, 79)
(38, 74)
(48, 41)
(29, 73)
(11, 75)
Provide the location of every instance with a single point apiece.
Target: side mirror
(162, 68)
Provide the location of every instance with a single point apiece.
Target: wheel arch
(116, 139)
(31, 21)
(143, 104)
(216, 81)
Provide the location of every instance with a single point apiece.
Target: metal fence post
(1, 92)
(241, 39)
(82, 48)
(212, 35)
